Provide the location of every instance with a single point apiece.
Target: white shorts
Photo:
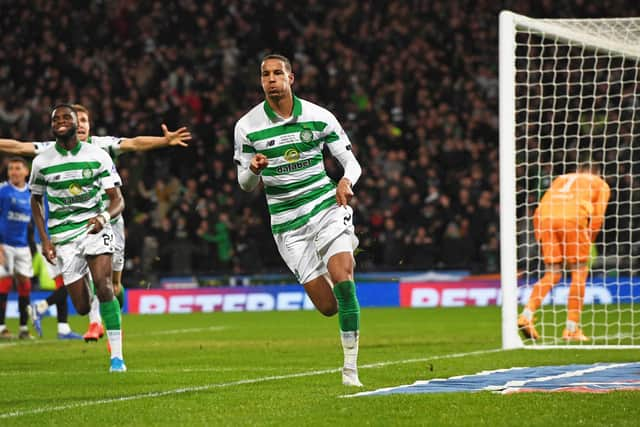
(117, 261)
(52, 269)
(17, 261)
(72, 257)
(307, 250)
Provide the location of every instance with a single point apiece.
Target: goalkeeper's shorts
(563, 241)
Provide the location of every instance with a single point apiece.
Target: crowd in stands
(414, 83)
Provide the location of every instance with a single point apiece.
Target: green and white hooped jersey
(73, 182)
(110, 144)
(295, 182)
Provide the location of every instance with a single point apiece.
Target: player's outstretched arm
(11, 146)
(145, 143)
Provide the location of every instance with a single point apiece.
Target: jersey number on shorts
(347, 218)
(107, 238)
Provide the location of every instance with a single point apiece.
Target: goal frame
(508, 24)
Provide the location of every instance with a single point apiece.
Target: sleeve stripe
(248, 149)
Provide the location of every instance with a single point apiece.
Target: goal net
(570, 89)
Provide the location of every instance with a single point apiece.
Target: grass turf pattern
(282, 368)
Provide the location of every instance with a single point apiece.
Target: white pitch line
(205, 387)
(142, 334)
(426, 359)
(179, 331)
(145, 371)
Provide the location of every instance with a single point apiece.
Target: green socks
(120, 297)
(112, 319)
(348, 307)
(110, 312)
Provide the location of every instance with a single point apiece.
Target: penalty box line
(182, 390)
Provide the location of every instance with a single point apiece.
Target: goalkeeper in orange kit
(566, 224)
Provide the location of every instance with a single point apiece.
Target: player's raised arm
(145, 143)
(11, 146)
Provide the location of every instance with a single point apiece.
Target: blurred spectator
(458, 250)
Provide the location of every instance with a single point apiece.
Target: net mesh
(572, 99)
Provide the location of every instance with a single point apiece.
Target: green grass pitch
(282, 369)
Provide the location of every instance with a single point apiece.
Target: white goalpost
(570, 87)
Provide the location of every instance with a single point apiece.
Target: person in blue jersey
(279, 142)
(15, 254)
(74, 176)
